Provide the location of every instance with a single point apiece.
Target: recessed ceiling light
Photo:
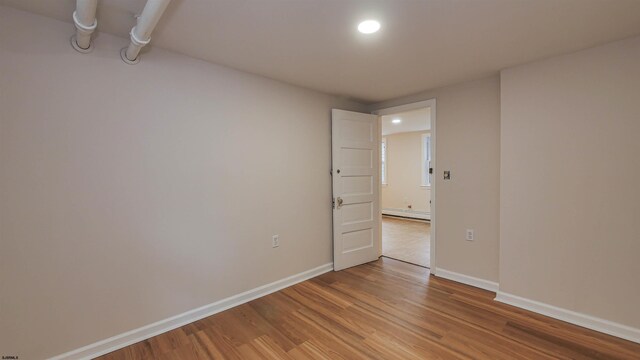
(396, 121)
(369, 26)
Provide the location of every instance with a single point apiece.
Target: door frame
(431, 104)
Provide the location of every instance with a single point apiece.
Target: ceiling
(414, 120)
(423, 44)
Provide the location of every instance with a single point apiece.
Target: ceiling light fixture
(369, 26)
(396, 121)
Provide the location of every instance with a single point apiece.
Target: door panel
(355, 162)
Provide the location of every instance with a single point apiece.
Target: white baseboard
(466, 279)
(407, 213)
(576, 318)
(131, 337)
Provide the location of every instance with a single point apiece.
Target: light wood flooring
(381, 310)
(406, 240)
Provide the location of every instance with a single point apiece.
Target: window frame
(427, 158)
(384, 168)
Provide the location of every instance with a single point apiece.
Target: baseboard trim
(131, 337)
(407, 214)
(576, 318)
(466, 279)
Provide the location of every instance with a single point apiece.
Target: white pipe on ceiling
(141, 33)
(85, 20)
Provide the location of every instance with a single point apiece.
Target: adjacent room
(319, 179)
(406, 186)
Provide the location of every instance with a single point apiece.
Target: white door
(356, 219)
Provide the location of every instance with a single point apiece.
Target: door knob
(339, 201)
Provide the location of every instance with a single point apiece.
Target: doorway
(407, 201)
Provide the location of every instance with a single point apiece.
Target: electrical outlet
(275, 241)
(470, 235)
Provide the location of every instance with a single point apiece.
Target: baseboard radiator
(408, 213)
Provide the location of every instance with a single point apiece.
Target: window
(426, 159)
(383, 162)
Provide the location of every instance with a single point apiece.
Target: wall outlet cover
(470, 235)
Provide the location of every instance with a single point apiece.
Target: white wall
(133, 193)
(570, 182)
(468, 144)
(404, 174)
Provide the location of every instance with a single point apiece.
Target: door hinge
(430, 170)
(333, 203)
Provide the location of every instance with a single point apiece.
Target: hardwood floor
(382, 310)
(406, 240)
